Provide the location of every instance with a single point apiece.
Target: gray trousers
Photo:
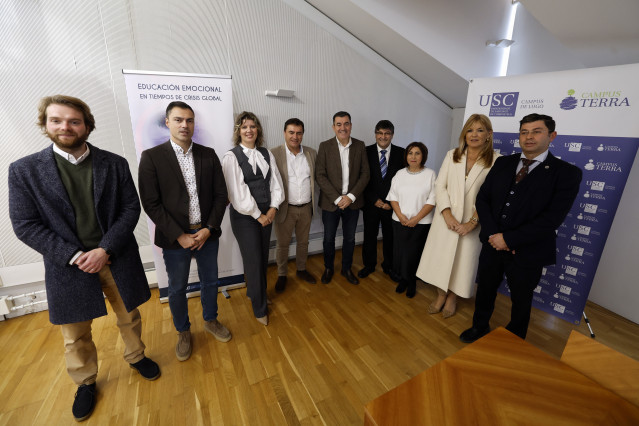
(254, 240)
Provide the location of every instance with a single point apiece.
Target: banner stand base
(592, 333)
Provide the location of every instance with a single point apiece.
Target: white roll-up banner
(210, 96)
(596, 111)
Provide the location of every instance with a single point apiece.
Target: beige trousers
(80, 352)
(298, 219)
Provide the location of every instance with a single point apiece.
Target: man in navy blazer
(522, 202)
(77, 205)
(376, 208)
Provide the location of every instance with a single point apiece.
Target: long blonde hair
(486, 154)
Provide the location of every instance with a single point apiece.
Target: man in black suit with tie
(522, 202)
(384, 160)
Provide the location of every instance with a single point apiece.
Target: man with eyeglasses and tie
(384, 160)
(522, 202)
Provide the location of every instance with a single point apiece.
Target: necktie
(382, 163)
(524, 170)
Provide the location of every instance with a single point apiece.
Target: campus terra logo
(502, 104)
(570, 102)
(594, 99)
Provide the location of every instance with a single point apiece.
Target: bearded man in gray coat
(77, 206)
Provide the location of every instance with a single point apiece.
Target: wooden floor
(328, 350)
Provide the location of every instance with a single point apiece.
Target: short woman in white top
(450, 257)
(412, 197)
(255, 192)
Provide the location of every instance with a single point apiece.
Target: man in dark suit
(183, 192)
(384, 160)
(522, 202)
(342, 174)
(297, 169)
(76, 205)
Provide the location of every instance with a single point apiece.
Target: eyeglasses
(383, 133)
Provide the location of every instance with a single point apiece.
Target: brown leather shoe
(348, 274)
(306, 276)
(280, 284)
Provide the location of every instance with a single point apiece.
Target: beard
(74, 143)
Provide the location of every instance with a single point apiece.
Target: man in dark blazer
(77, 205)
(183, 192)
(342, 173)
(296, 165)
(384, 160)
(522, 202)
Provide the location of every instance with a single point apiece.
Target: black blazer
(538, 207)
(377, 188)
(165, 197)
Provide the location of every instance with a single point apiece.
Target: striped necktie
(523, 172)
(382, 163)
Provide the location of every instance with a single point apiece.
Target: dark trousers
(349, 224)
(178, 266)
(372, 218)
(254, 240)
(521, 280)
(409, 244)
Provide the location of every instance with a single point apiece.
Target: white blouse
(412, 192)
(239, 192)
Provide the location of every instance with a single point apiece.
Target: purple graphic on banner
(605, 162)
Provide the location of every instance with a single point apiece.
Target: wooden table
(500, 379)
(605, 366)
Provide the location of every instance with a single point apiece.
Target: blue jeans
(349, 224)
(178, 263)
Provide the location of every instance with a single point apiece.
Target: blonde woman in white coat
(450, 256)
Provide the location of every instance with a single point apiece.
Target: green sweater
(78, 181)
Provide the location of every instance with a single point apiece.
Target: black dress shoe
(365, 271)
(280, 284)
(472, 334)
(411, 292)
(84, 402)
(147, 368)
(348, 274)
(401, 287)
(303, 274)
(327, 276)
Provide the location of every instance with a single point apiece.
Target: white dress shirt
(343, 156)
(69, 157)
(299, 177)
(185, 160)
(239, 192)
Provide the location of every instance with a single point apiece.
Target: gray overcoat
(43, 218)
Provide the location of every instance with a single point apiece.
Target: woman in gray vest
(255, 192)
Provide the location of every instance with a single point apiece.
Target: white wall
(79, 47)
(615, 284)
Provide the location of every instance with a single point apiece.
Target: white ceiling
(441, 44)
(599, 33)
